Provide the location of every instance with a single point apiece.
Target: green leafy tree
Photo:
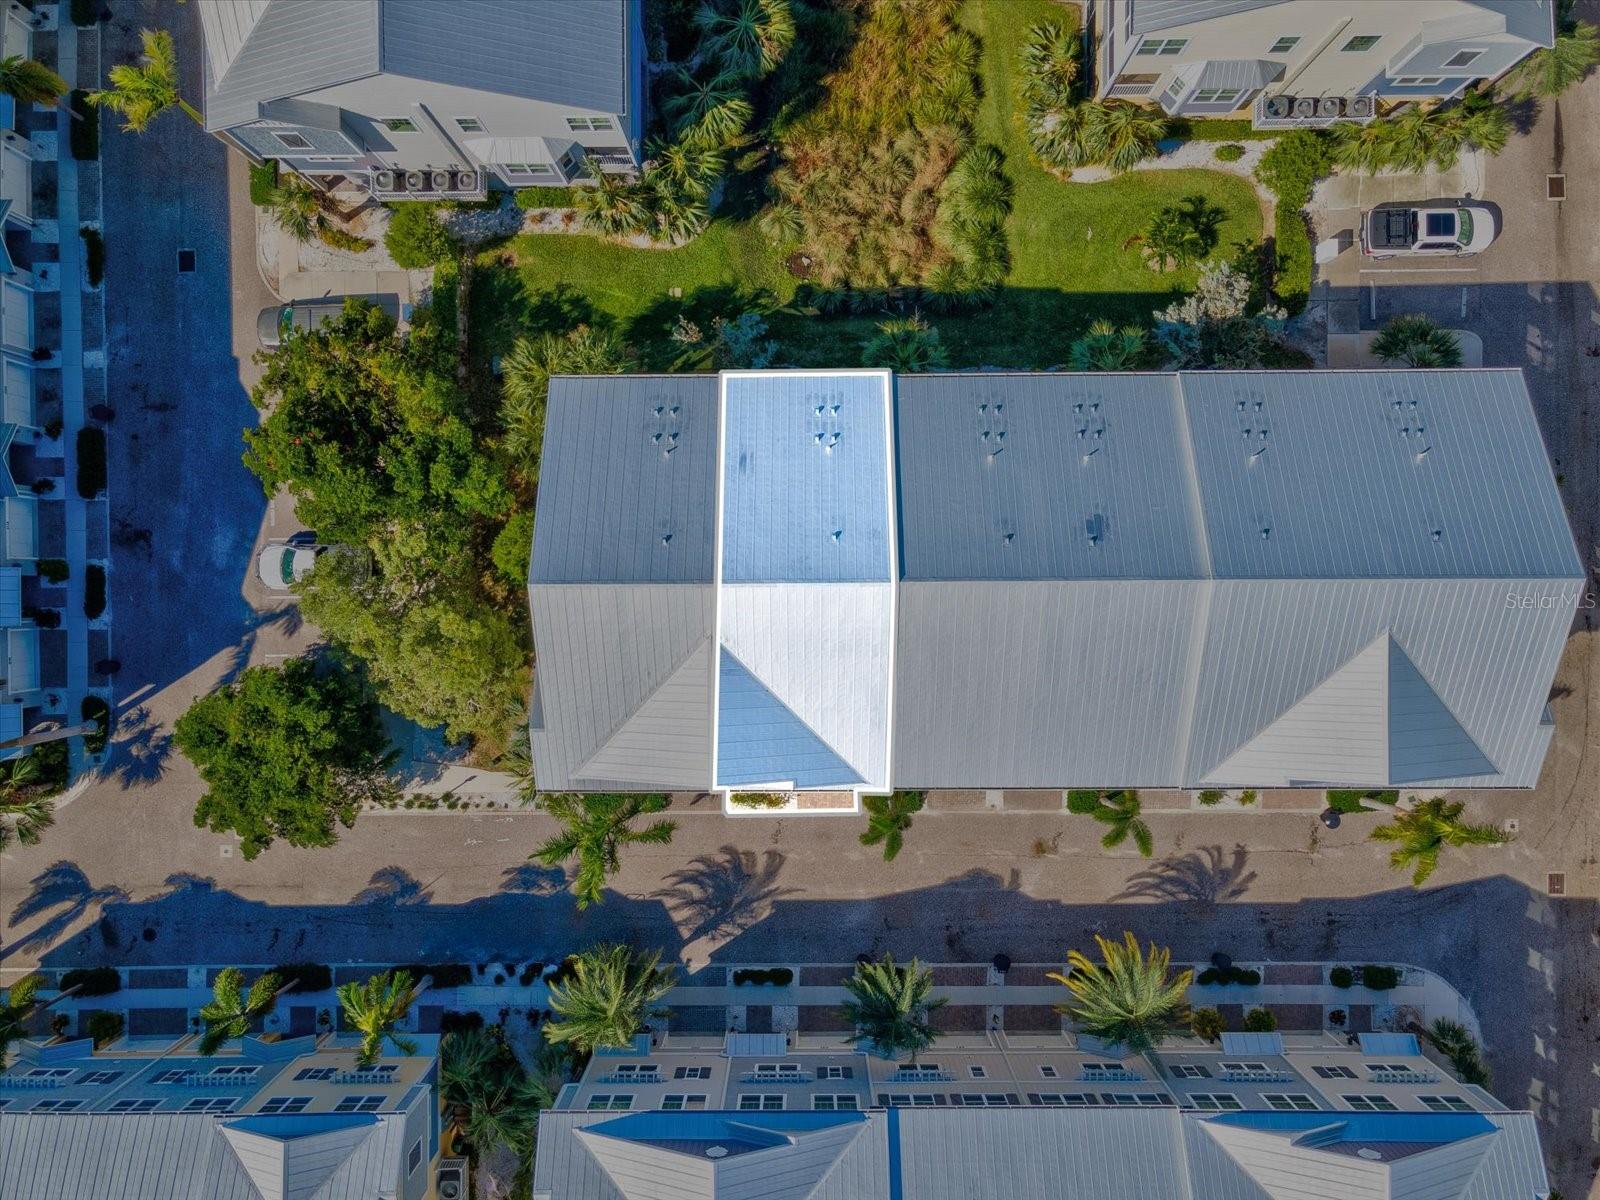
(14, 1010)
(513, 548)
(710, 111)
(891, 1007)
(285, 753)
(491, 1099)
(1295, 161)
(1129, 998)
(1180, 235)
(1548, 73)
(141, 93)
(1417, 341)
(1260, 1020)
(1107, 348)
(1207, 1024)
(598, 825)
(1422, 833)
(611, 992)
(888, 817)
(906, 345)
(375, 1009)
(416, 238)
(25, 813)
(525, 386)
(749, 37)
(296, 209)
(30, 82)
(232, 1009)
(1120, 811)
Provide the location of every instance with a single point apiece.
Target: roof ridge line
(1200, 624)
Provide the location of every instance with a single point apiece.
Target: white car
(1448, 227)
(282, 564)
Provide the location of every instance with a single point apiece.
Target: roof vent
(666, 539)
(1095, 527)
(1088, 454)
(1423, 453)
(1366, 1152)
(838, 535)
(1266, 532)
(719, 1152)
(1438, 535)
(1255, 454)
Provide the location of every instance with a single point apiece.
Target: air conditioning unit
(1279, 107)
(416, 181)
(1305, 106)
(466, 181)
(441, 181)
(451, 1181)
(1360, 106)
(1329, 106)
(384, 181)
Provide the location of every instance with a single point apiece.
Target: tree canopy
(285, 753)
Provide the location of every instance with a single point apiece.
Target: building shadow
(1208, 875)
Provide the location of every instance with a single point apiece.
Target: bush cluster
(416, 237)
(1289, 170)
(104, 1026)
(92, 981)
(263, 182)
(306, 977)
(780, 976)
(759, 799)
(94, 254)
(94, 590)
(445, 975)
(91, 461)
(1227, 975)
(54, 570)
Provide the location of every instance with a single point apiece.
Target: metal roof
(1403, 1045)
(1252, 1043)
(1152, 15)
(576, 54)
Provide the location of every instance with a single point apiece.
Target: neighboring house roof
(1249, 578)
(195, 1156)
(1531, 20)
(1000, 1154)
(264, 50)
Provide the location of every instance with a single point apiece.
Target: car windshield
(1464, 234)
(1441, 224)
(286, 319)
(286, 566)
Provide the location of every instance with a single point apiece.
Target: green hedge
(1083, 802)
(92, 981)
(84, 133)
(55, 570)
(97, 710)
(781, 976)
(94, 254)
(1357, 801)
(91, 461)
(416, 238)
(1229, 129)
(1291, 237)
(544, 197)
(758, 799)
(306, 976)
(1241, 975)
(263, 182)
(94, 590)
(85, 12)
(1341, 977)
(104, 1027)
(1379, 979)
(445, 975)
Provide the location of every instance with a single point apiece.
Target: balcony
(1311, 112)
(427, 185)
(777, 1077)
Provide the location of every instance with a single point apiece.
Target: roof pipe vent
(1438, 535)
(1423, 453)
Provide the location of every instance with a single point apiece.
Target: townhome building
(429, 99)
(836, 582)
(1307, 62)
(259, 1120)
(1276, 1116)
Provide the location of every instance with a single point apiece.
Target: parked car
(276, 323)
(282, 564)
(1449, 227)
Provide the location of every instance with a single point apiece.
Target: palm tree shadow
(724, 894)
(534, 880)
(64, 887)
(141, 750)
(392, 885)
(1204, 876)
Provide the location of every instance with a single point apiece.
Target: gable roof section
(761, 740)
(1150, 16)
(661, 739)
(574, 54)
(290, 1158)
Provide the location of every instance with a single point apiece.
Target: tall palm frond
(1049, 64)
(598, 825)
(612, 991)
(1120, 810)
(1548, 73)
(1107, 348)
(1417, 341)
(1128, 998)
(29, 81)
(1421, 834)
(141, 93)
(231, 1010)
(891, 1006)
(888, 817)
(750, 37)
(1121, 135)
(375, 1008)
(14, 1010)
(712, 111)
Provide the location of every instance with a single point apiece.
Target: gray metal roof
(1242, 73)
(1150, 16)
(575, 53)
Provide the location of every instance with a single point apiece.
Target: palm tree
(907, 345)
(517, 760)
(687, 167)
(493, 1101)
(597, 827)
(708, 112)
(142, 93)
(14, 1010)
(1550, 72)
(890, 1006)
(1107, 348)
(1419, 836)
(526, 371)
(1120, 810)
(24, 814)
(613, 990)
(1060, 135)
(1049, 64)
(1417, 341)
(375, 1008)
(613, 207)
(1455, 1042)
(30, 82)
(296, 209)
(1127, 998)
(978, 188)
(1121, 135)
(751, 39)
(230, 1012)
(888, 817)
(1365, 148)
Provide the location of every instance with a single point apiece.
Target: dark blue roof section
(760, 740)
(627, 486)
(574, 54)
(805, 479)
(1368, 1127)
(714, 1126)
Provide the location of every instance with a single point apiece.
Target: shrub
(445, 975)
(1216, 129)
(85, 12)
(97, 710)
(1207, 1023)
(44, 618)
(1083, 802)
(460, 1022)
(779, 976)
(1458, 1045)
(1229, 975)
(415, 238)
(104, 1027)
(1292, 244)
(94, 254)
(340, 239)
(758, 799)
(1379, 979)
(1211, 796)
(94, 590)
(84, 132)
(306, 977)
(1229, 152)
(56, 570)
(513, 546)
(544, 197)
(1294, 164)
(1248, 976)
(91, 461)
(263, 182)
(1341, 977)
(1260, 1020)
(92, 981)
(1247, 797)
(1337, 1018)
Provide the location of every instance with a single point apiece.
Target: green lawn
(1069, 264)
